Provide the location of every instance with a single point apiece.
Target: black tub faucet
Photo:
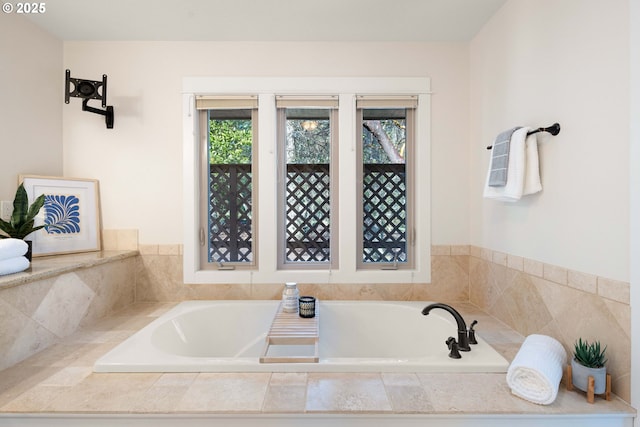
(463, 339)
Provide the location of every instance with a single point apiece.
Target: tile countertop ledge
(50, 266)
(59, 382)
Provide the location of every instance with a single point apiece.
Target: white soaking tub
(355, 336)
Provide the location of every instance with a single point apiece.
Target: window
(385, 176)
(319, 199)
(228, 133)
(307, 133)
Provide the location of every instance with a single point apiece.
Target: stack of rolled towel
(536, 371)
(12, 258)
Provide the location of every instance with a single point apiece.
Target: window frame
(204, 119)
(267, 271)
(331, 105)
(410, 183)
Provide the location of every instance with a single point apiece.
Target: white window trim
(347, 89)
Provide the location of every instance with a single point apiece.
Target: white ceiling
(266, 20)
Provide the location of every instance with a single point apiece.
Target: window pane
(307, 186)
(384, 227)
(230, 186)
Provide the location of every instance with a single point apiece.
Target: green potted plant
(22, 219)
(589, 360)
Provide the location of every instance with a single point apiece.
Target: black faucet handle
(472, 333)
(453, 347)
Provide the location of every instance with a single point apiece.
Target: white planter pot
(580, 376)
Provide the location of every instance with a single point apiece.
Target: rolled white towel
(536, 371)
(13, 265)
(11, 248)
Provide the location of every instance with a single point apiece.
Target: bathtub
(355, 336)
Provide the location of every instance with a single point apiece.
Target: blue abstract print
(62, 214)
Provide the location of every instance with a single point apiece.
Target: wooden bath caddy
(291, 329)
(590, 386)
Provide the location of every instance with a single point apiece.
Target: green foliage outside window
(230, 141)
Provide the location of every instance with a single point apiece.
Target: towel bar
(554, 129)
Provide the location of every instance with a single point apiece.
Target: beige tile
(20, 379)
(459, 393)
(555, 274)
(176, 379)
(614, 289)
(486, 254)
(225, 392)
(159, 278)
(127, 240)
(515, 262)
(353, 392)
(525, 305)
(148, 249)
(582, 281)
(440, 250)
(68, 376)
(104, 393)
(21, 336)
(475, 251)
(34, 399)
(499, 258)
(535, 268)
(159, 399)
(406, 393)
(169, 249)
(65, 305)
(110, 240)
(287, 392)
(449, 278)
(460, 250)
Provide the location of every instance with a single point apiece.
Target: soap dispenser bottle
(290, 297)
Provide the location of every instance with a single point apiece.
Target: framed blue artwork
(70, 215)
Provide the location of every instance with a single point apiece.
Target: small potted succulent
(22, 219)
(589, 360)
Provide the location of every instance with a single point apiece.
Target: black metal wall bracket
(88, 90)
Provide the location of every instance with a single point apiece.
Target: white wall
(31, 100)
(138, 162)
(535, 63)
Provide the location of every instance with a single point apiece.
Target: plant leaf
(6, 227)
(35, 207)
(20, 207)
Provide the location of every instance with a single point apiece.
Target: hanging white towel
(536, 371)
(532, 182)
(11, 248)
(523, 175)
(13, 265)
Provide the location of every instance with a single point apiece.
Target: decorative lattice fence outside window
(384, 213)
(308, 209)
(230, 232)
(308, 225)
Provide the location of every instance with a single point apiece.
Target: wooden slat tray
(291, 329)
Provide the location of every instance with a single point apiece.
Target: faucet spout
(463, 339)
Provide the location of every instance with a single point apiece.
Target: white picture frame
(72, 209)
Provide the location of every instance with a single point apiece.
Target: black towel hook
(554, 129)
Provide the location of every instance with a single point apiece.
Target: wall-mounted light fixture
(87, 90)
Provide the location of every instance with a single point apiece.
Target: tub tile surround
(528, 295)
(59, 295)
(39, 385)
(509, 295)
(532, 297)
(159, 278)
